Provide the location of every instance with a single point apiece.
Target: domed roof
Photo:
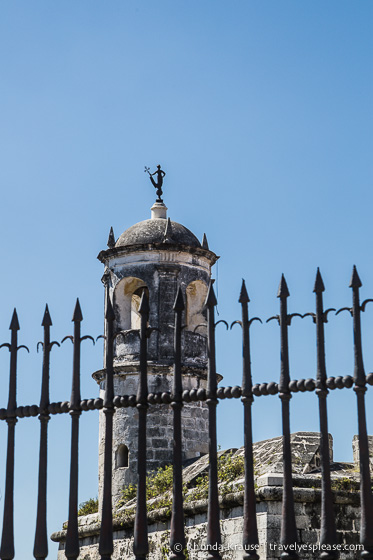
(157, 230)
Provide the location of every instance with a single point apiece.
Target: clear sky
(260, 112)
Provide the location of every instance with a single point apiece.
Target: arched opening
(122, 456)
(196, 293)
(135, 306)
(127, 297)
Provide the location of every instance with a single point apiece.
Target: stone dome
(154, 231)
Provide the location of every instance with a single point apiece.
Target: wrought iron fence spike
(47, 321)
(7, 538)
(319, 284)
(355, 281)
(328, 535)
(77, 315)
(14, 324)
(106, 530)
(288, 526)
(144, 304)
(244, 296)
(109, 314)
(141, 545)
(211, 300)
(250, 529)
(366, 498)
(41, 536)
(72, 535)
(213, 515)
(283, 291)
(179, 300)
(177, 534)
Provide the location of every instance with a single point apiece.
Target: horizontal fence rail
(285, 388)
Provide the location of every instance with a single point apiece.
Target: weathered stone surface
(307, 496)
(143, 259)
(355, 450)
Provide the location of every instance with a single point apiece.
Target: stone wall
(269, 483)
(307, 509)
(159, 433)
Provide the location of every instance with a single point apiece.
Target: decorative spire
(111, 239)
(205, 244)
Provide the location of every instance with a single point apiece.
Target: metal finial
(157, 184)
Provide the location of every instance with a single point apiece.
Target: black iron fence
(321, 385)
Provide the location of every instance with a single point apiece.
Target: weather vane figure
(157, 184)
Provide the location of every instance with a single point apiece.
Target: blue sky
(261, 114)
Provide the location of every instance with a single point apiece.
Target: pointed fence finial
(168, 232)
(77, 316)
(109, 314)
(283, 291)
(244, 296)
(211, 300)
(205, 244)
(14, 324)
(111, 239)
(355, 281)
(319, 284)
(47, 321)
(144, 303)
(179, 300)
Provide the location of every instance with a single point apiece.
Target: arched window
(135, 305)
(196, 293)
(127, 297)
(122, 456)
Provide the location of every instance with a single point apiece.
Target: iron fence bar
(7, 539)
(72, 535)
(177, 537)
(288, 526)
(213, 516)
(250, 530)
(106, 530)
(140, 545)
(366, 529)
(328, 534)
(41, 536)
(164, 397)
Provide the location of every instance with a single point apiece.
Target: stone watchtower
(157, 256)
